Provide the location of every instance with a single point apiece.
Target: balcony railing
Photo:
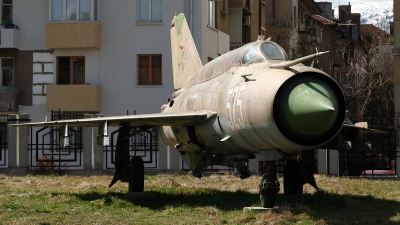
(73, 35)
(9, 36)
(74, 98)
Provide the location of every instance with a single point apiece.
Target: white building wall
(122, 40)
(114, 66)
(31, 17)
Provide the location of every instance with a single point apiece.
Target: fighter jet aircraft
(247, 103)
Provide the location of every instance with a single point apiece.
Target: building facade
(89, 58)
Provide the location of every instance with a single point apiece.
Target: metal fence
(380, 154)
(46, 152)
(144, 144)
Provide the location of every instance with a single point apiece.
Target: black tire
(293, 178)
(268, 198)
(136, 181)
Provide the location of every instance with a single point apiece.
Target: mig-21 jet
(249, 102)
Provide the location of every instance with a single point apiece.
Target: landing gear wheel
(269, 186)
(136, 168)
(293, 178)
(268, 198)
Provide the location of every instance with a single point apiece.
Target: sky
(372, 11)
(335, 3)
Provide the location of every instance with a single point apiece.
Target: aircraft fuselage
(244, 98)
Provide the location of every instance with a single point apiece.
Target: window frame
(72, 70)
(150, 67)
(149, 12)
(2, 12)
(1, 72)
(93, 12)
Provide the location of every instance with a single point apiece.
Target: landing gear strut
(293, 178)
(299, 172)
(269, 186)
(127, 171)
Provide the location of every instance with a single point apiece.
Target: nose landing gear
(269, 186)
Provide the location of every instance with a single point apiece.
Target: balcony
(74, 98)
(73, 35)
(8, 99)
(9, 36)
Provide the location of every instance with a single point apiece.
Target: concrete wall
(23, 76)
(328, 162)
(42, 74)
(31, 17)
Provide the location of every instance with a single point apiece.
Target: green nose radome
(311, 108)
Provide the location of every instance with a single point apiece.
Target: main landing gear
(131, 171)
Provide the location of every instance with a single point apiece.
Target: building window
(7, 65)
(150, 11)
(73, 10)
(71, 70)
(6, 12)
(211, 14)
(150, 69)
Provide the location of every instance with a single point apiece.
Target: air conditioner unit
(246, 21)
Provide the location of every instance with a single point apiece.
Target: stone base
(141, 195)
(276, 209)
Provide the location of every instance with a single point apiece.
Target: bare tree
(369, 75)
(362, 66)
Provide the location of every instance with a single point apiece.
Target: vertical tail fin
(185, 58)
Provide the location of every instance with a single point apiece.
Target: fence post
(18, 154)
(397, 133)
(92, 153)
(334, 162)
(323, 161)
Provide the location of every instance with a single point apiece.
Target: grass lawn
(183, 199)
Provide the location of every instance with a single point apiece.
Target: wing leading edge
(156, 119)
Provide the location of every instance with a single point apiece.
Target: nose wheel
(269, 186)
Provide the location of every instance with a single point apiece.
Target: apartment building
(249, 13)
(286, 20)
(85, 58)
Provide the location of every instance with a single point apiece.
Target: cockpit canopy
(251, 53)
(263, 51)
